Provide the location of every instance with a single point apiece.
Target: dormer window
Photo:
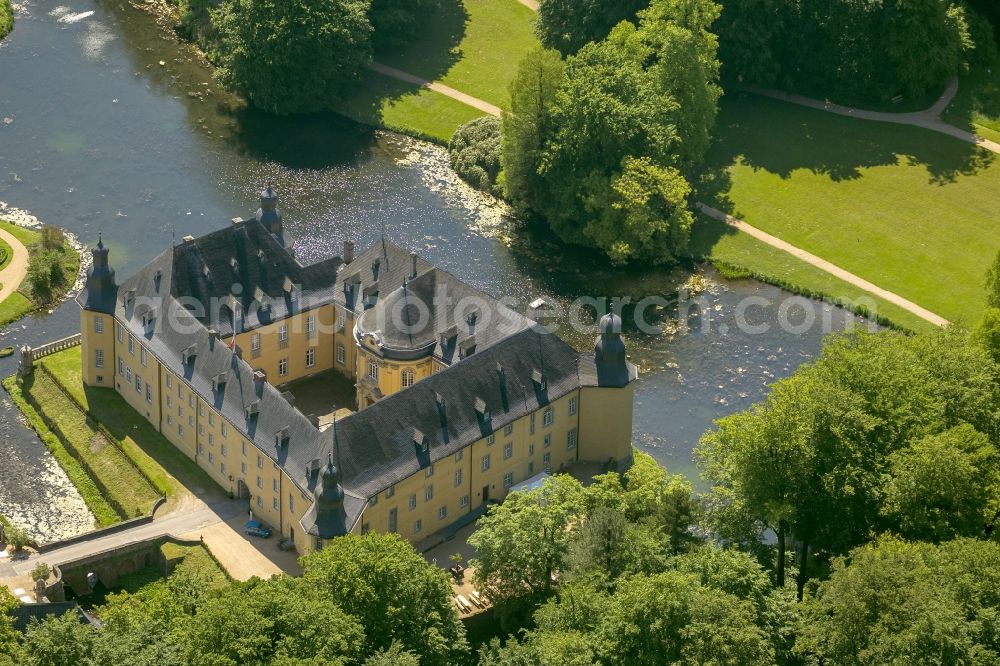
(129, 298)
(447, 338)
(371, 296)
(189, 354)
(252, 409)
(148, 318)
(219, 382)
(281, 437)
(539, 380)
(206, 272)
(157, 276)
(467, 347)
(376, 266)
(421, 441)
(235, 265)
(262, 298)
(472, 319)
(483, 411)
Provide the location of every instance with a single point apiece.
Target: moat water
(108, 124)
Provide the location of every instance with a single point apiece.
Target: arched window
(407, 378)
(373, 370)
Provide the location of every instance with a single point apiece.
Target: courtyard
(323, 397)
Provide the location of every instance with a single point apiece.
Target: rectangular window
(531, 449)
(191, 420)
(225, 429)
(429, 472)
(429, 493)
(274, 503)
(458, 477)
(392, 520)
(99, 358)
(222, 468)
(138, 384)
(170, 402)
(546, 458)
(548, 441)
(243, 468)
(120, 331)
(508, 451)
(373, 370)
(464, 502)
(260, 502)
(260, 461)
(282, 336)
(310, 357)
(170, 381)
(180, 429)
(485, 462)
(98, 324)
(531, 423)
(255, 345)
(201, 409)
(458, 456)
(412, 502)
(274, 485)
(390, 491)
(142, 357)
(121, 366)
(201, 448)
(224, 449)
(201, 429)
(531, 468)
(211, 458)
(149, 393)
(508, 480)
(211, 441)
(547, 417)
(131, 344)
(311, 326)
(373, 500)
(260, 482)
(283, 367)
(508, 429)
(191, 400)
(417, 526)
(572, 406)
(571, 440)
(128, 374)
(442, 513)
(170, 419)
(211, 418)
(491, 439)
(341, 353)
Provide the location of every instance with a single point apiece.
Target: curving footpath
(469, 100)
(929, 119)
(13, 275)
(823, 264)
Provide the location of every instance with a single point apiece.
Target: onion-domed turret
(609, 353)
(100, 290)
(268, 213)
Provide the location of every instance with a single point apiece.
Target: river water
(108, 124)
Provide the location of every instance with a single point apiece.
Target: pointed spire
(100, 241)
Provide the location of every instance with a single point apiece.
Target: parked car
(255, 528)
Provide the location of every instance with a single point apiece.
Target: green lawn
(736, 252)
(910, 210)
(976, 107)
(407, 108)
(19, 303)
(123, 485)
(171, 472)
(471, 45)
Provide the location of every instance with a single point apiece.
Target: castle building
(458, 397)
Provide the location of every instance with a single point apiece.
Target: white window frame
(98, 324)
(407, 377)
(311, 357)
(283, 367)
(99, 358)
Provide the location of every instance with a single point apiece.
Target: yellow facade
(380, 377)
(293, 348)
(98, 348)
(606, 423)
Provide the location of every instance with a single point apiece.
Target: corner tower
(606, 398)
(97, 320)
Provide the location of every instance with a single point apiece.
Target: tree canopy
(292, 56)
(600, 145)
(567, 25)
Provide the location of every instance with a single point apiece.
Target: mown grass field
(125, 488)
(910, 210)
(730, 249)
(171, 472)
(471, 45)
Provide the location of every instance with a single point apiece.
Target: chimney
(348, 251)
(413, 265)
(259, 379)
(213, 335)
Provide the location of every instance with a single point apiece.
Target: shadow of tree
(781, 137)
(436, 48)
(314, 141)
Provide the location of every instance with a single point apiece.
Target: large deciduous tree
(567, 25)
(393, 592)
(292, 56)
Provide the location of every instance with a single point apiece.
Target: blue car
(254, 528)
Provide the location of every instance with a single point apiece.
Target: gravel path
(15, 272)
(474, 102)
(824, 265)
(928, 119)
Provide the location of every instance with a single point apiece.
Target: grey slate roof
(378, 446)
